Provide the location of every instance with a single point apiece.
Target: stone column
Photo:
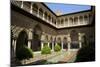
(62, 46)
(68, 22)
(31, 7)
(68, 46)
(14, 47)
(83, 20)
(69, 42)
(29, 43)
(41, 44)
(78, 21)
(48, 44)
(43, 16)
(29, 38)
(52, 46)
(80, 43)
(38, 12)
(22, 4)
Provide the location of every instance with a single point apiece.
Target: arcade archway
(74, 39)
(22, 40)
(36, 42)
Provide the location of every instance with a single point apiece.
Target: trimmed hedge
(86, 53)
(57, 48)
(24, 53)
(46, 50)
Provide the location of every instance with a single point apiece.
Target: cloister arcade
(34, 34)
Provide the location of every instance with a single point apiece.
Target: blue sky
(67, 8)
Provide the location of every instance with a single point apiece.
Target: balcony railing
(27, 7)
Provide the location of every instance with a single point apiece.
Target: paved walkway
(54, 57)
(64, 57)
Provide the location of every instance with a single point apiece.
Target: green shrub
(57, 48)
(24, 53)
(46, 50)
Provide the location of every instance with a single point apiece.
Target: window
(75, 20)
(45, 16)
(71, 20)
(35, 8)
(41, 12)
(62, 21)
(85, 18)
(27, 6)
(81, 19)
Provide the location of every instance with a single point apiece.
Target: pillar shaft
(22, 4)
(62, 45)
(69, 46)
(80, 44)
(29, 44)
(41, 45)
(14, 47)
(48, 44)
(53, 46)
(31, 8)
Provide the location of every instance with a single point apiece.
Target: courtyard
(40, 36)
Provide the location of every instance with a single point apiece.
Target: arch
(71, 20)
(74, 39)
(81, 19)
(75, 20)
(84, 41)
(28, 4)
(41, 12)
(36, 41)
(65, 45)
(35, 8)
(59, 41)
(65, 39)
(66, 20)
(22, 39)
(51, 40)
(49, 17)
(46, 38)
(62, 21)
(45, 15)
(85, 18)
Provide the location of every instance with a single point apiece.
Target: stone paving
(64, 57)
(55, 57)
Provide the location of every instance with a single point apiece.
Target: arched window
(71, 20)
(66, 21)
(45, 16)
(41, 12)
(81, 19)
(35, 9)
(90, 18)
(75, 20)
(27, 5)
(65, 45)
(62, 21)
(74, 39)
(86, 18)
(49, 17)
